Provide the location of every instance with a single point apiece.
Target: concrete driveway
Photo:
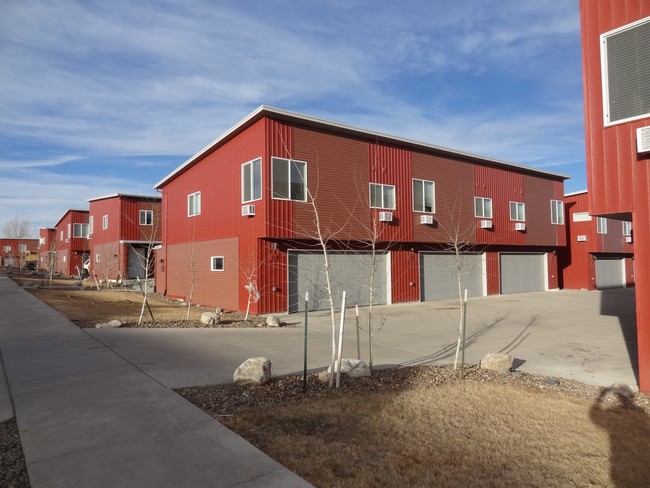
(581, 335)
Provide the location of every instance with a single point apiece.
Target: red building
(71, 243)
(123, 231)
(47, 248)
(616, 64)
(244, 210)
(17, 252)
(599, 252)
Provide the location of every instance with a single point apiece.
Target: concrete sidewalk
(89, 418)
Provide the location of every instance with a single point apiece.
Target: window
(105, 222)
(80, 230)
(625, 54)
(601, 225)
(91, 225)
(146, 217)
(216, 263)
(382, 196)
(251, 180)
(557, 212)
(517, 211)
(581, 217)
(61, 236)
(6, 248)
(483, 207)
(98, 258)
(289, 179)
(194, 204)
(22, 247)
(627, 228)
(424, 196)
(69, 230)
(65, 258)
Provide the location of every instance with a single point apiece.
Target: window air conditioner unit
(486, 224)
(520, 226)
(385, 216)
(628, 238)
(247, 210)
(643, 140)
(582, 238)
(89, 236)
(426, 219)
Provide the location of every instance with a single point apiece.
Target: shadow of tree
(628, 427)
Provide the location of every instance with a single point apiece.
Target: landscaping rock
(254, 370)
(497, 362)
(272, 321)
(112, 324)
(324, 377)
(210, 318)
(354, 368)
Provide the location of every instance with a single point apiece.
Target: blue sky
(104, 97)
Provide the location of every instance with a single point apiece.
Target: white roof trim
(126, 195)
(574, 193)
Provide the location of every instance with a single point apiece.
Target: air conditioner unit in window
(520, 226)
(486, 224)
(247, 210)
(643, 139)
(426, 219)
(582, 238)
(628, 238)
(385, 216)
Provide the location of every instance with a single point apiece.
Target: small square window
(216, 263)
(483, 207)
(517, 211)
(289, 179)
(146, 217)
(424, 196)
(194, 204)
(382, 196)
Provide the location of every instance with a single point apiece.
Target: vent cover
(643, 140)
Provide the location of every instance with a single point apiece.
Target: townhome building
(46, 248)
(599, 252)
(17, 252)
(123, 231)
(256, 213)
(70, 245)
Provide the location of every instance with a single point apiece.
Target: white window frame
(98, 258)
(214, 261)
(6, 248)
(483, 212)
(254, 185)
(290, 177)
(518, 211)
(78, 230)
(422, 205)
(627, 228)
(69, 230)
(91, 224)
(148, 217)
(194, 204)
(22, 247)
(601, 225)
(385, 192)
(604, 74)
(557, 208)
(61, 236)
(105, 222)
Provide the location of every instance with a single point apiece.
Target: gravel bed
(225, 400)
(13, 471)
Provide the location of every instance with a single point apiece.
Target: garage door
(610, 273)
(137, 261)
(348, 271)
(439, 279)
(523, 273)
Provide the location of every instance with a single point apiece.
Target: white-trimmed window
(251, 180)
(625, 61)
(217, 263)
(69, 230)
(289, 179)
(22, 247)
(517, 211)
(601, 225)
(194, 204)
(146, 217)
(483, 207)
(65, 258)
(6, 248)
(382, 196)
(105, 222)
(627, 228)
(91, 224)
(424, 196)
(80, 230)
(98, 258)
(61, 236)
(557, 212)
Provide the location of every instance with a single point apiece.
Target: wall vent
(426, 219)
(247, 210)
(385, 216)
(643, 140)
(486, 224)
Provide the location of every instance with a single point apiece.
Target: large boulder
(272, 321)
(253, 370)
(210, 318)
(497, 362)
(354, 368)
(111, 324)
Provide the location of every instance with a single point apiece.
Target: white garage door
(349, 272)
(610, 273)
(523, 273)
(439, 277)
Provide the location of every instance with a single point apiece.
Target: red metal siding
(280, 213)
(540, 231)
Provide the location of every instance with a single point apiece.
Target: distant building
(18, 252)
(47, 248)
(71, 243)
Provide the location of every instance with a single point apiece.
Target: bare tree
(17, 228)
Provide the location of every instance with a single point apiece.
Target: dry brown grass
(467, 434)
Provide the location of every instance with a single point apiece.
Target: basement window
(625, 55)
(216, 263)
(483, 207)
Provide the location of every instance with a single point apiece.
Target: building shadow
(621, 303)
(628, 428)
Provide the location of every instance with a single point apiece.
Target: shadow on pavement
(621, 303)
